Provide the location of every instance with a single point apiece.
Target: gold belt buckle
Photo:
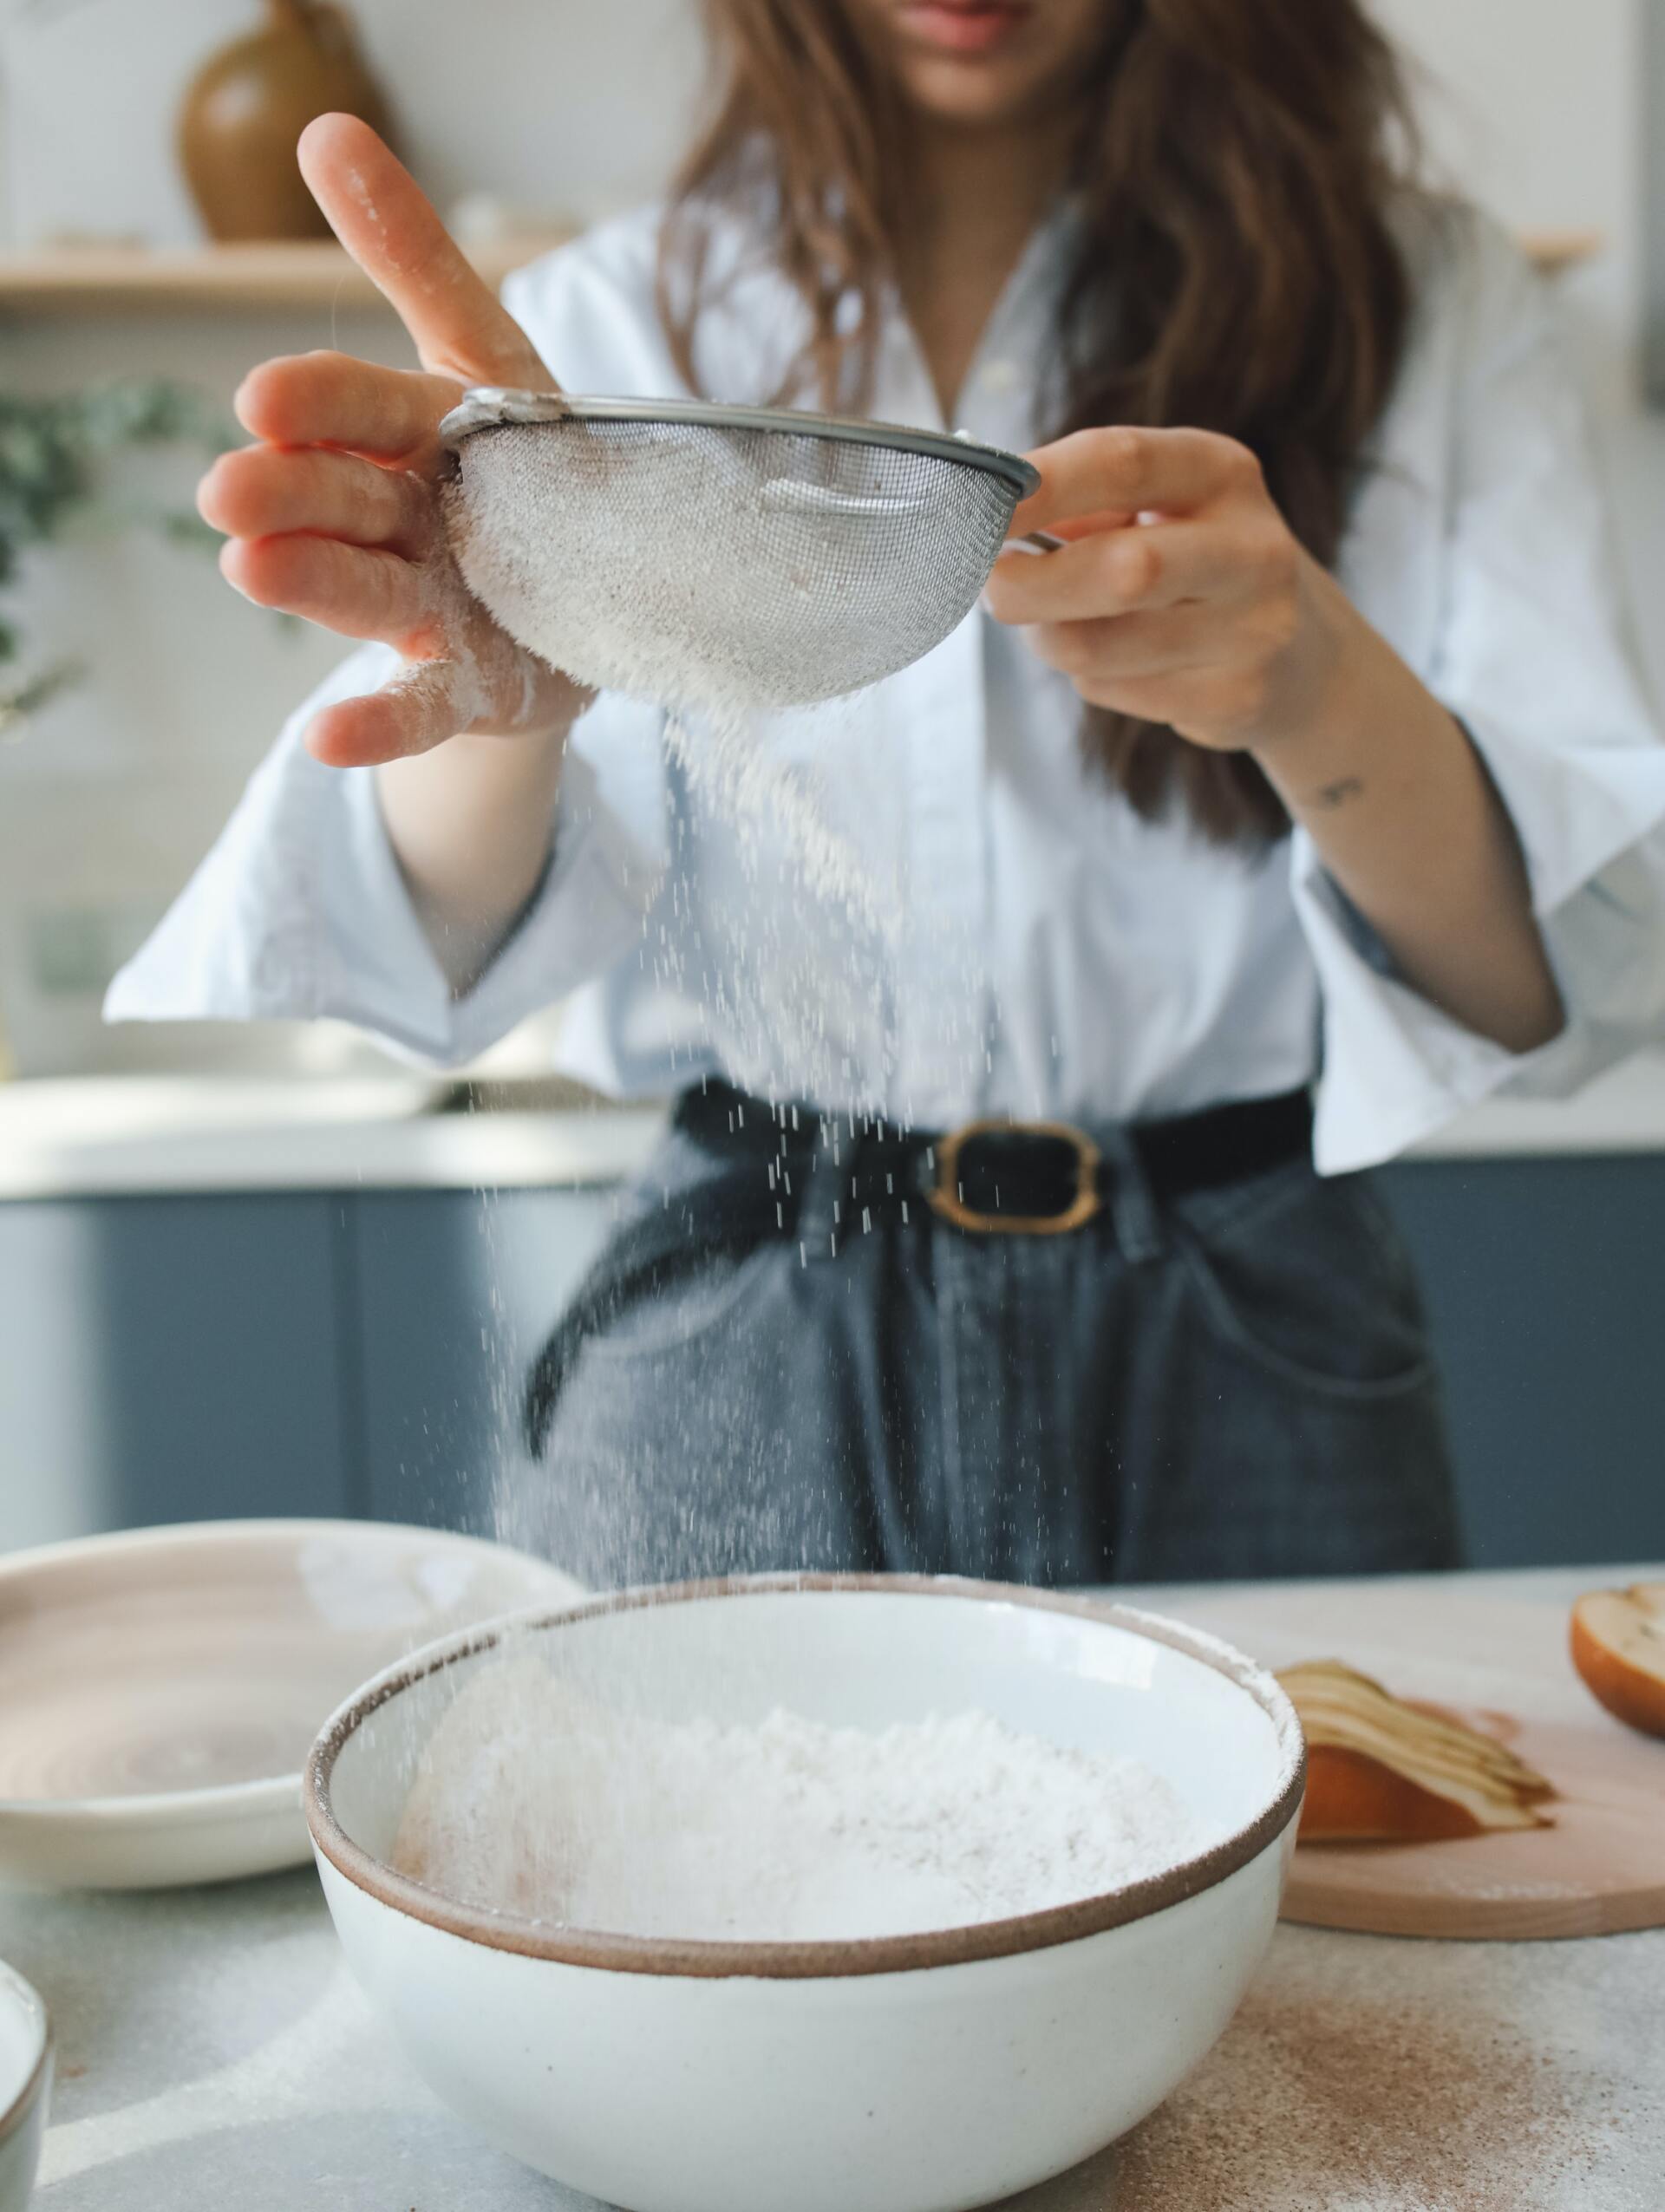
(944, 1199)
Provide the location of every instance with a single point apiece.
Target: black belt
(1034, 1178)
(989, 1177)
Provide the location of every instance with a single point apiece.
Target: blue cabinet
(456, 1291)
(184, 1358)
(1545, 1283)
(170, 1359)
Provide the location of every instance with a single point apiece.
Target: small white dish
(160, 1688)
(25, 2086)
(914, 2073)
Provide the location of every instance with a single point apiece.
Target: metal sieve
(755, 558)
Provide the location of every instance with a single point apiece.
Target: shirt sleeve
(1531, 657)
(300, 910)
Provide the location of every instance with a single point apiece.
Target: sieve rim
(495, 407)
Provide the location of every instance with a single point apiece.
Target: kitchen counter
(213, 2050)
(157, 1135)
(115, 1136)
(139, 1135)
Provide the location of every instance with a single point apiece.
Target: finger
(356, 592)
(1163, 471)
(388, 223)
(1162, 643)
(1119, 571)
(266, 492)
(425, 706)
(330, 399)
(1088, 525)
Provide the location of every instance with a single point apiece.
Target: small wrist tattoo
(1337, 794)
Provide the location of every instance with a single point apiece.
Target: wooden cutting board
(1502, 1665)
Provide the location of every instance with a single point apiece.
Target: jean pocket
(676, 1319)
(1315, 1286)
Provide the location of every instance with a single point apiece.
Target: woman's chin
(968, 95)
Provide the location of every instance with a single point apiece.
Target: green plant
(55, 458)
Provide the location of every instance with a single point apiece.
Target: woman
(1311, 767)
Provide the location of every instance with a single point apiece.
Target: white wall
(1534, 107)
(572, 103)
(575, 106)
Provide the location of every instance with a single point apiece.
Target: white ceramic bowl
(25, 2087)
(160, 1689)
(904, 2074)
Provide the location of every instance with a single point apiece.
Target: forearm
(1211, 619)
(470, 823)
(1408, 822)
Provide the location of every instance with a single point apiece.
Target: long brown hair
(1236, 269)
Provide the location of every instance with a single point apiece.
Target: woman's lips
(964, 26)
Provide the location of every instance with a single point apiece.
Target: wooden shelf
(313, 273)
(316, 273)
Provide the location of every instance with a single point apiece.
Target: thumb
(388, 223)
(419, 708)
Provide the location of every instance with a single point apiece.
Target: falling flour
(532, 1798)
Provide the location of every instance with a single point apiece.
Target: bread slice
(1618, 1646)
(1379, 1771)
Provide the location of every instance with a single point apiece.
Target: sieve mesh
(729, 558)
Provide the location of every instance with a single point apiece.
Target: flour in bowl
(533, 1798)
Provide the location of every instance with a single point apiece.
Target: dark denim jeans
(1237, 1383)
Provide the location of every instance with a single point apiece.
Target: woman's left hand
(1182, 598)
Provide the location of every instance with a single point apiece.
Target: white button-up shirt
(1057, 956)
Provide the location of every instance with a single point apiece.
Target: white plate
(159, 1689)
(25, 2086)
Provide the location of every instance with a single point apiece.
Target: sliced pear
(1618, 1646)
(1379, 1771)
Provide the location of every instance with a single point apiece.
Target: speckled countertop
(213, 2051)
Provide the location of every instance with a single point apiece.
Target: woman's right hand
(333, 513)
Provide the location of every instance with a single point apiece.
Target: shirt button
(999, 376)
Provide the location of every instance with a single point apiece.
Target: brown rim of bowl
(27, 2098)
(784, 1961)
